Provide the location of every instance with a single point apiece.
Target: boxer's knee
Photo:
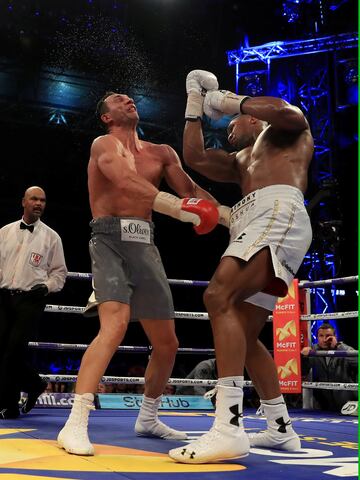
(111, 337)
(216, 300)
(114, 321)
(167, 348)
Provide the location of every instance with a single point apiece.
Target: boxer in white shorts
(273, 217)
(270, 234)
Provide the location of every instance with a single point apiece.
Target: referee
(32, 265)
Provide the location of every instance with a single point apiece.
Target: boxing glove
(203, 214)
(198, 82)
(206, 211)
(221, 102)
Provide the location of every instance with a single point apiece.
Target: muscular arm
(215, 164)
(116, 165)
(179, 180)
(279, 113)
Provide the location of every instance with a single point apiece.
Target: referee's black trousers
(19, 315)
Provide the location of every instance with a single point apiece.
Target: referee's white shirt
(28, 258)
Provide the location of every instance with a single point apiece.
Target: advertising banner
(286, 334)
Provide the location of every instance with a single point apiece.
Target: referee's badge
(35, 259)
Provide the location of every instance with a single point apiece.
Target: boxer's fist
(206, 211)
(201, 213)
(223, 101)
(209, 110)
(197, 83)
(200, 80)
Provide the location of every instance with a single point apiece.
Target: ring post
(286, 334)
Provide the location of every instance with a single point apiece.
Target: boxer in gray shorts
(124, 174)
(127, 267)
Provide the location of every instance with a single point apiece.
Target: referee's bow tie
(23, 226)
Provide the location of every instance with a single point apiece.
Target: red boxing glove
(206, 211)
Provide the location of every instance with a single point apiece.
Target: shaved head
(34, 190)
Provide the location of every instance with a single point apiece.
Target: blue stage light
(57, 118)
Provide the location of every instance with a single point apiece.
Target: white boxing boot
(74, 436)
(279, 434)
(226, 439)
(148, 424)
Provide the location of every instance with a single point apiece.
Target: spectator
(169, 390)
(104, 388)
(206, 370)
(203, 370)
(330, 369)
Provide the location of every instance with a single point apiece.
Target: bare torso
(130, 196)
(276, 158)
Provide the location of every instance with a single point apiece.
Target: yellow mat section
(19, 453)
(9, 431)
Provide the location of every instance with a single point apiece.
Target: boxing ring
(28, 448)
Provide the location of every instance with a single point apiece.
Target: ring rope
(121, 348)
(193, 382)
(197, 283)
(205, 283)
(333, 353)
(201, 351)
(329, 281)
(205, 316)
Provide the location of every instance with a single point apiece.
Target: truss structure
(290, 48)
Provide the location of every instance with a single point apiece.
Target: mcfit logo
(288, 369)
(290, 294)
(288, 329)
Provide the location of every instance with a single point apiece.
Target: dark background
(144, 48)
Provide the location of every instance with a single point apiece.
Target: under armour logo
(191, 454)
(280, 421)
(239, 238)
(235, 411)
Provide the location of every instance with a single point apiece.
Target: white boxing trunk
(273, 217)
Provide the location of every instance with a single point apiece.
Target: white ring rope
(333, 353)
(202, 351)
(121, 348)
(204, 283)
(205, 316)
(197, 283)
(329, 281)
(330, 386)
(194, 382)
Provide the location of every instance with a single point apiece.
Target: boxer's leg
(161, 334)
(263, 373)
(114, 319)
(233, 281)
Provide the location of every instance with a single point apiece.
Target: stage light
(253, 85)
(57, 118)
(291, 10)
